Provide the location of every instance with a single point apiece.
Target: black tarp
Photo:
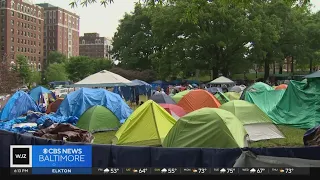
(126, 156)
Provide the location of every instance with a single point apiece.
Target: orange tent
(281, 86)
(53, 107)
(197, 99)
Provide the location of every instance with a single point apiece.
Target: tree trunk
(292, 66)
(310, 66)
(266, 69)
(274, 67)
(215, 72)
(280, 69)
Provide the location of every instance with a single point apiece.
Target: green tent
(232, 95)
(177, 97)
(256, 87)
(257, 123)
(98, 118)
(148, 125)
(246, 112)
(221, 97)
(207, 127)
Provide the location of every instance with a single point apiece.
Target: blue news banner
(53, 159)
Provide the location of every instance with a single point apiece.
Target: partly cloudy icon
(253, 170)
(45, 151)
(223, 170)
(164, 170)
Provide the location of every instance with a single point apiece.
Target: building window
(39, 29)
(12, 48)
(12, 13)
(12, 22)
(12, 4)
(2, 12)
(54, 20)
(49, 21)
(39, 65)
(18, 40)
(12, 39)
(39, 21)
(18, 7)
(28, 26)
(83, 42)
(39, 14)
(12, 31)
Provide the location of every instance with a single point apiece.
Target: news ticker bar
(162, 171)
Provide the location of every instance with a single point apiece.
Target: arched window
(12, 4)
(21, 8)
(18, 7)
(39, 14)
(31, 11)
(83, 41)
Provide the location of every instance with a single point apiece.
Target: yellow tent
(148, 125)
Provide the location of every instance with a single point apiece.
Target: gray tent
(248, 159)
(313, 75)
(162, 98)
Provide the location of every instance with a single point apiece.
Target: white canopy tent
(222, 80)
(103, 78)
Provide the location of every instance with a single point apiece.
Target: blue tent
(19, 103)
(37, 92)
(77, 102)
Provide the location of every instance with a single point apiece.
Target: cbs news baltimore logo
(21, 156)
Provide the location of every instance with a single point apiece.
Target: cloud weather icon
(164, 170)
(106, 170)
(252, 170)
(223, 170)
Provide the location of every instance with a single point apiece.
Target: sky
(105, 20)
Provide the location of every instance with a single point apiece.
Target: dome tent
(197, 99)
(18, 104)
(257, 124)
(177, 97)
(98, 118)
(148, 125)
(77, 102)
(208, 128)
(37, 93)
(175, 110)
(162, 98)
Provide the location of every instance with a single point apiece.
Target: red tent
(174, 110)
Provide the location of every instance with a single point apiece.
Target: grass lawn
(294, 138)
(104, 137)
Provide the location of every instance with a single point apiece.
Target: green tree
(133, 42)
(35, 77)
(79, 67)
(56, 57)
(56, 72)
(101, 64)
(23, 69)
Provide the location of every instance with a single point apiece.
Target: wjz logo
(20, 156)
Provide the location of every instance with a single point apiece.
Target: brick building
(21, 32)
(61, 31)
(92, 45)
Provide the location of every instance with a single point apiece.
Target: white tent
(103, 78)
(222, 80)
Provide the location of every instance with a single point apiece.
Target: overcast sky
(105, 20)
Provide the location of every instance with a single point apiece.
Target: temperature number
(288, 170)
(143, 171)
(114, 170)
(172, 170)
(202, 170)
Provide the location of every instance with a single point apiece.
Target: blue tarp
(38, 118)
(162, 84)
(143, 87)
(19, 103)
(37, 92)
(127, 156)
(77, 102)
